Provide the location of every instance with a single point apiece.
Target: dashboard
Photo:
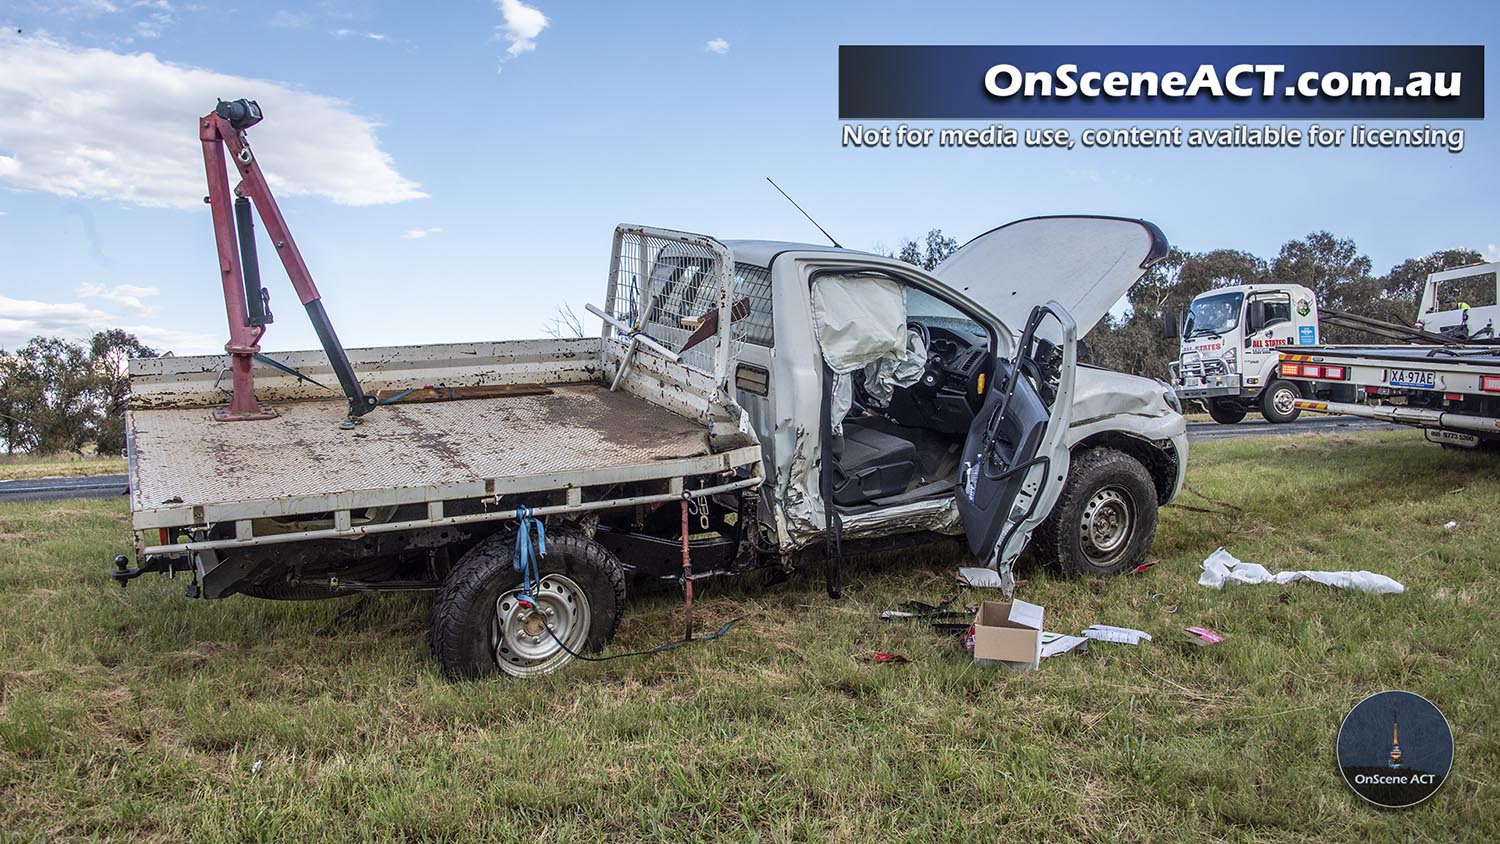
(949, 392)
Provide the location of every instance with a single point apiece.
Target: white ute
(748, 404)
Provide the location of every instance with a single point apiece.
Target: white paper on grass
(1222, 567)
(1118, 635)
(1060, 643)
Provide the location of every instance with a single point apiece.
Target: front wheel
(1225, 411)
(1105, 520)
(1279, 402)
(480, 628)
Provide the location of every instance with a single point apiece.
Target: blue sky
(512, 149)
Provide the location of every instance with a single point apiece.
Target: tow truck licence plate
(1411, 378)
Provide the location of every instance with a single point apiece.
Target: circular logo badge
(1395, 749)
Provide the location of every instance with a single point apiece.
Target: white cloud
(522, 25)
(349, 33)
(418, 234)
(94, 123)
(717, 45)
(125, 296)
(1491, 252)
(23, 319)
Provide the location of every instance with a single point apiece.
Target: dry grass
(138, 715)
(25, 467)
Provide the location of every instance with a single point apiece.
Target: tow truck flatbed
(1452, 392)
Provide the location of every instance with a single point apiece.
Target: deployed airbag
(859, 318)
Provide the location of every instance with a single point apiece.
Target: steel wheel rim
(1107, 521)
(1284, 401)
(519, 640)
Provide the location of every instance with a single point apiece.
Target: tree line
(59, 396)
(1332, 267)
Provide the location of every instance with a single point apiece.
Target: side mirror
(1257, 316)
(1171, 324)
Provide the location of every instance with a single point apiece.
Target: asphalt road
(57, 489)
(1308, 423)
(110, 486)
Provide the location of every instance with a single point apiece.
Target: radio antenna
(805, 214)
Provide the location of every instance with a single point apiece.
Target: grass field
(25, 467)
(138, 715)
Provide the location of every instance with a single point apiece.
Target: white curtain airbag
(858, 319)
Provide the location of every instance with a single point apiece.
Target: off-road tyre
(1100, 478)
(464, 610)
(1276, 399)
(1224, 412)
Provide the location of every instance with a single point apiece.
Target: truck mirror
(1170, 325)
(1257, 316)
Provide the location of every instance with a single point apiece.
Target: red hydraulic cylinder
(244, 339)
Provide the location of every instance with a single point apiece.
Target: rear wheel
(480, 628)
(1105, 521)
(1279, 402)
(1225, 411)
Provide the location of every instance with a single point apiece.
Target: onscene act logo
(1395, 749)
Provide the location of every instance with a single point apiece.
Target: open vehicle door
(1016, 454)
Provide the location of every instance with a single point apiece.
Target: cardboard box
(1008, 632)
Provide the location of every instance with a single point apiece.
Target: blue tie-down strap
(528, 551)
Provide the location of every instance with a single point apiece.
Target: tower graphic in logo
(1371, 757)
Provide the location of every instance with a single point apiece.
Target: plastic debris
(884, 657)
(1222, 567)
(1143, 567)
(1450, 526)
(1118, 635)
(1204, 636)
(259, 763)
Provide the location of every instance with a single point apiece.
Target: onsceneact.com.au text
(1241, 80)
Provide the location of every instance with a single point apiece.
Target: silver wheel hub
(1106, 525)
(1284, 401)
(528, 640)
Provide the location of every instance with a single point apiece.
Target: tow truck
(1227, 355)
(1449, 385)
(747, 405)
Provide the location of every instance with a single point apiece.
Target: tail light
(1490, 383)
(1292, 369)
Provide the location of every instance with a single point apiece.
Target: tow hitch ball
(160, 563)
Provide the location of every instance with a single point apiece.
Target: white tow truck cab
(1228, 345)
(749, 404)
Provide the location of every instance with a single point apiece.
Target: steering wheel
(932, 372)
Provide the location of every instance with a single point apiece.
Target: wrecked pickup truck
(748, 404)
